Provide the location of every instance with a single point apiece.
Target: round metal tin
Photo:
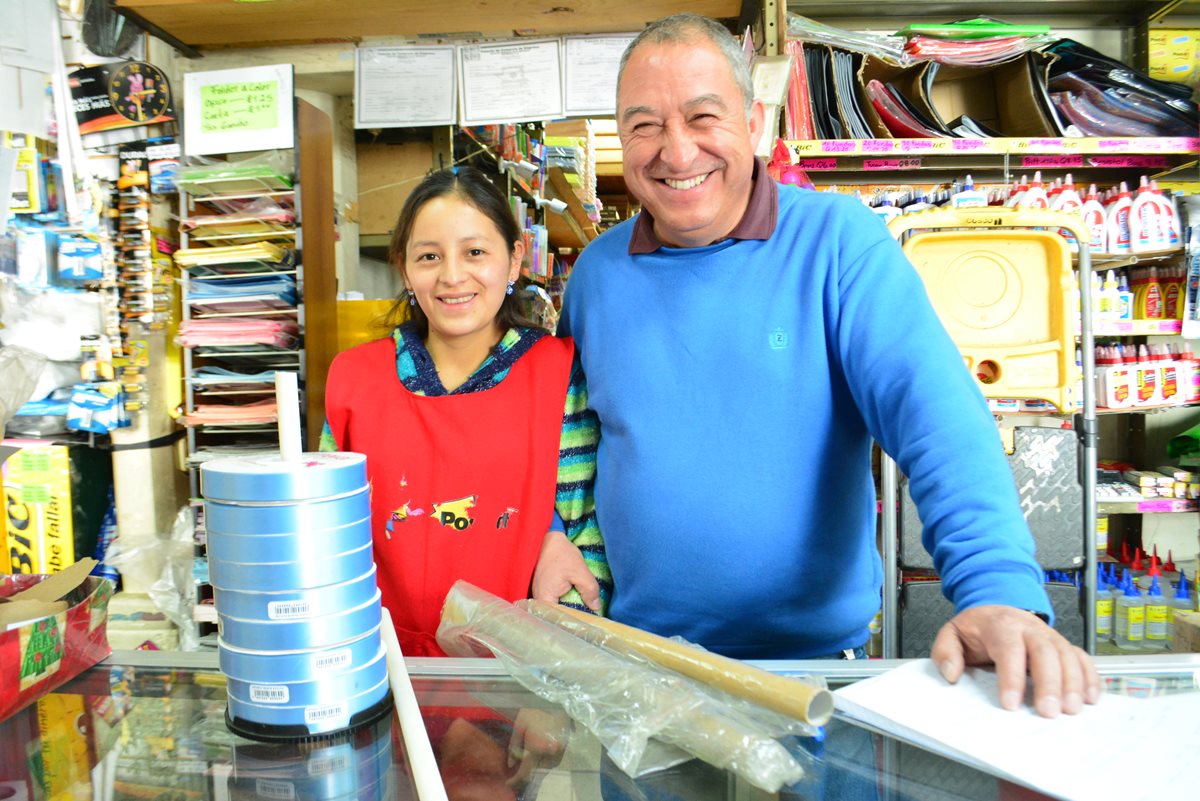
(311, 693)
(271, 479)
(304, 544)
(262, 721)
(301, 574)
(286, 518)
(347, 765)
(296, 604)
(295, 635)
(293, 666)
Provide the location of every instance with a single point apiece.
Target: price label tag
(838, 146)
(806, 147)
(878, 145)
(1112, 145)
(818, 164)
(915, 145)
(892, 164)
(1128, 161)
(968, 145)
(1074, 160)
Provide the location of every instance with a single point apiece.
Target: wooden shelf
(573, 229)
(197, 23)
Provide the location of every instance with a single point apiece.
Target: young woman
(480, 447)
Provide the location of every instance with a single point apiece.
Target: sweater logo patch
(778, 339)
(503, 520)
(455, 514)
(401, 514)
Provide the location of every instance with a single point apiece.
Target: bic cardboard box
(52, 628)
(54, 502)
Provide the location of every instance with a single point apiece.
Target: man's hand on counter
(1017, 642)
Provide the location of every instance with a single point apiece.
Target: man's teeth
(457, 300)
(688, 184)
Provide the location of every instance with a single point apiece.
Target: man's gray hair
(685, 28)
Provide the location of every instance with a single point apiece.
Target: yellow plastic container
(1004, 290)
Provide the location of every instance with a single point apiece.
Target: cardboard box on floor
(1186, 639)
(52, 628)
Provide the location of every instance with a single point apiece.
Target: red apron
(462, 486)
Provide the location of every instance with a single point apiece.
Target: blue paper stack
(298, 609)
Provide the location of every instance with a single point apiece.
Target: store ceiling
(200, 24)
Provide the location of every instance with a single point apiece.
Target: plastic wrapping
(174, 592)
(889, 48)
(624, 703)
(974, 52)
(20, 368)
(784, 705)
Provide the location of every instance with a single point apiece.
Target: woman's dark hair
(471, 186)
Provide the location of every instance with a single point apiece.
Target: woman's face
(458, 266)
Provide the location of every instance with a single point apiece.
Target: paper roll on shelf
(787, 696)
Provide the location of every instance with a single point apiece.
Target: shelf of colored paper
(1147, 506)
(1131, 149)
(227, 180)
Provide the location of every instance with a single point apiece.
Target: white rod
(287, 409)
(425, 772)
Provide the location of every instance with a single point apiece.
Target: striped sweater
(574, 506)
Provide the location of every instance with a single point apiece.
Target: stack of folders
(1013, 86)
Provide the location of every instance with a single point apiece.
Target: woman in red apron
(480, 449)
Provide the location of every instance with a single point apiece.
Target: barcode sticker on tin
(329, 765)
(333, 660)
(269, 693)
(267, 788)
(321, 714)
(288, 610)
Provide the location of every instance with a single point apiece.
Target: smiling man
(744, 342)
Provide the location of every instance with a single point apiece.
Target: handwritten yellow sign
(244, 106)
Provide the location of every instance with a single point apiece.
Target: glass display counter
(150, 725)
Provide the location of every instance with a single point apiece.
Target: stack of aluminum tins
(298, 609)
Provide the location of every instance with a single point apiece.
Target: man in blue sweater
(743, 343)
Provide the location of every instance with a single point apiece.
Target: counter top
(151, 725)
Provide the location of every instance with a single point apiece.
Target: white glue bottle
(1094, 217)
(1116, 222)
(1145, 223)
(1181, 601)
(1129, 618)
(1156, 617)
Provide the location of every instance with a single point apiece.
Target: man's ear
(756, 124)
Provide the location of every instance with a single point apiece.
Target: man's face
(688, 147)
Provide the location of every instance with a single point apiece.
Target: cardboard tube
(426, 776)
(287, 410)
(790, 697)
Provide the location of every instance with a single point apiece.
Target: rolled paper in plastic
(788, 696)
(302, 574)
(300, 665)
(245, 518)
(328, 689)
(272, 479)
(294, 635)
(289, 604)
(612, 694)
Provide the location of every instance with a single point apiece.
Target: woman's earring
(509, 291)
(412, 298)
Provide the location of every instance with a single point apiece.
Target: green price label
(245, 106)
(35, 494)
(33, 461)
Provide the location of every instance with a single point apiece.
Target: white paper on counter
(1071, 756)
